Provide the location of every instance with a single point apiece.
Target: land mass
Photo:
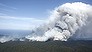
(48, 46)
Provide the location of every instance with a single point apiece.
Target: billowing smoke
(6, 39)
(64, 21)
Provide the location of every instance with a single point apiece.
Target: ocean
(14, 33)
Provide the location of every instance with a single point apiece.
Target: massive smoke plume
(62, 24)
(64, 21)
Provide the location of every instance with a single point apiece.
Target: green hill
(49, 46)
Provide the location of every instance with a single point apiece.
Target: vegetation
(49, 46)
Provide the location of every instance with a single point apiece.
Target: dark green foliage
(49, 46)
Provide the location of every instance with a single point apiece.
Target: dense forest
(49, 46)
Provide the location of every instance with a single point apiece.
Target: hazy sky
(25, 14)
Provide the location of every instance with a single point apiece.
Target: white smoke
(5, 39)
(63, 22)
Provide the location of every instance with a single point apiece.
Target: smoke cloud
(64, 21)
(5, 39)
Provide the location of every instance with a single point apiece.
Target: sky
(26, 14)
